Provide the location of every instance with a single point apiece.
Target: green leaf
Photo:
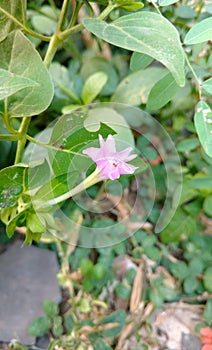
(162, 92)
(190, 284)
(123, 291)
(131, 5)
(50, 308)
(11, 185)
(207, 86)
(93, 85)
(208, 312)
(38, 175)
(98, 271)
(207, 205)
(112, 118)
(207, 279)
(16, 52)
(64, 85)
(118, 316)
(86, 266)
(70, 132)
(100, 64)
(137, 32)
(101, 345)
(200, 32)
(180, 227)
(179, 269)
(185, 11)
(45, 24)
(12, 83)
(35, 223)
(156, 298)
(57, 327)
(39, 326)
(69, 323)
(139, 61)
(16, 8)
(188, 145)
(203, 125)
(201, 183)
(196, 266)
(13, 217)
(152, 253)
(85, 306)
(167, 2)
(55, 187)
(135, 88)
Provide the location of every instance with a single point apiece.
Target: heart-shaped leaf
(11, 185)
(144, 32)
(15, 8)
(19, 57)
(11, 83)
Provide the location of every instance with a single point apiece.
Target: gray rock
(190, 342)
(27, 278)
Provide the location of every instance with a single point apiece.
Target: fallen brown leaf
(137, 289)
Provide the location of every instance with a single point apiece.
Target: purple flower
(111, 164)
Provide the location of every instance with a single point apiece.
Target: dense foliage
(140, 72)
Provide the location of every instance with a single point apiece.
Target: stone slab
(27, 278)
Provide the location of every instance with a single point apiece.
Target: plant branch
(22, 139)
(74, 15)
(195, 76)
(77, 28)
(47, 145)
(51, 51)
(23, 8)
(63, 15)
(9, 137)
(87, 182)
(8, 125)
(26, 29)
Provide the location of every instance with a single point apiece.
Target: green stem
(26, 29)
(56, 38)
(74, 15)
(106, 11)
(53, 6)
(77, 28)
(87, 182)
(23, 9)
(51, 51)
(156, 7)
(63, 15)
(46, 145)
(22, 139)
(8, 125)
(9, 137)
(195, 76)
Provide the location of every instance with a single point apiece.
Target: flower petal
(108, 170)
(207, 347)
(124, 155)
(109, 146)
(110, 163)
(125, 168)
(93, 153)
(207, 331)
(206, 335)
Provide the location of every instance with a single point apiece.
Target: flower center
(115, 164)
